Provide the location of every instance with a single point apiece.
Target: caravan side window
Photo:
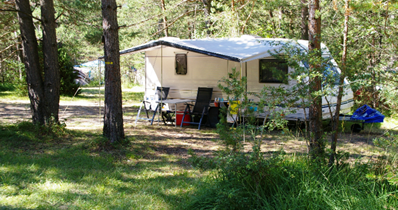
(181, 64)
(273, 71)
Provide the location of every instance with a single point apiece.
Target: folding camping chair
(152, 105)
(201, 106)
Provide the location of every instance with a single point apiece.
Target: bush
(241, 181)
(68, 75)
(7, 87)
(68, 87)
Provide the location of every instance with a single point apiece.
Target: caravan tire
(356, 128)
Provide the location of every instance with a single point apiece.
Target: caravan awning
(243, 49)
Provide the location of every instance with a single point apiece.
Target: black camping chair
(201, 106)
(152, 106)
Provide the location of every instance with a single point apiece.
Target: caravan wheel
(356, 128)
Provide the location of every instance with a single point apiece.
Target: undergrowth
(7, 87)
(29, 132)
(242, 181)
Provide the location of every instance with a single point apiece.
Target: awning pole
(99, 89)
(161, 80)
(243, 116)
(146, 77)
(246, 75)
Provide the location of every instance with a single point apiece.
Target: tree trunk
(335, 122)
(113, 115)
(315, 111)
(31, 61)
(304, 20)
(165, 28)
(207, 5)
(1, 68)
(50, 57)
(19, 53)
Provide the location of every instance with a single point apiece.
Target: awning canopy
(243, 49)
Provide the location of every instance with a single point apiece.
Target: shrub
(68, 75)
(7, 87)
(241, 181)
(68, 87)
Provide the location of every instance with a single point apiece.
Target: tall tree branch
(172, 23)
(15, 10)
(247, 19)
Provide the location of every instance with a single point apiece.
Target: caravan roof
(243, 49)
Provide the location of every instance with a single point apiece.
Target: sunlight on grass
(70, 175)
(12, 95)
(86, 95)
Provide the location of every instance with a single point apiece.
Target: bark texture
(164, 22)
(315, 111)
(50, 57)
(207, 6)
(31, 61)
(113, 115)
(304, 20)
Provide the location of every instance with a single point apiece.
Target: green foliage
(7, 87)
(28, 132)
(389, 142)
(93, 35)
(386, 167)
(67, 74)
(291, 182)
(242, 111)
(12, 71)
(21, 87)
(68, 86)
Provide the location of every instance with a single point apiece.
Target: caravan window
(273, 71)
(181, 64)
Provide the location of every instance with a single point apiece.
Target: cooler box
(179, 118)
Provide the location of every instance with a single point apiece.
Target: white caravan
(186, 64)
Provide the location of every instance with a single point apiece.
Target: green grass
(43, 169)
(12, 95)
(87, 94)
(292, 182)
(69, 171)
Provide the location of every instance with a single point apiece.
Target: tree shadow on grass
(98, 178)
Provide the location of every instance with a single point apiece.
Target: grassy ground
(77, 169)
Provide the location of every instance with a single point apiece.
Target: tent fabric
(367, 114)
(243, 49)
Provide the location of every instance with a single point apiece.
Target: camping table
(175, 102)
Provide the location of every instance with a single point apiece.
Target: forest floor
(86, 115)
(152, 172)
